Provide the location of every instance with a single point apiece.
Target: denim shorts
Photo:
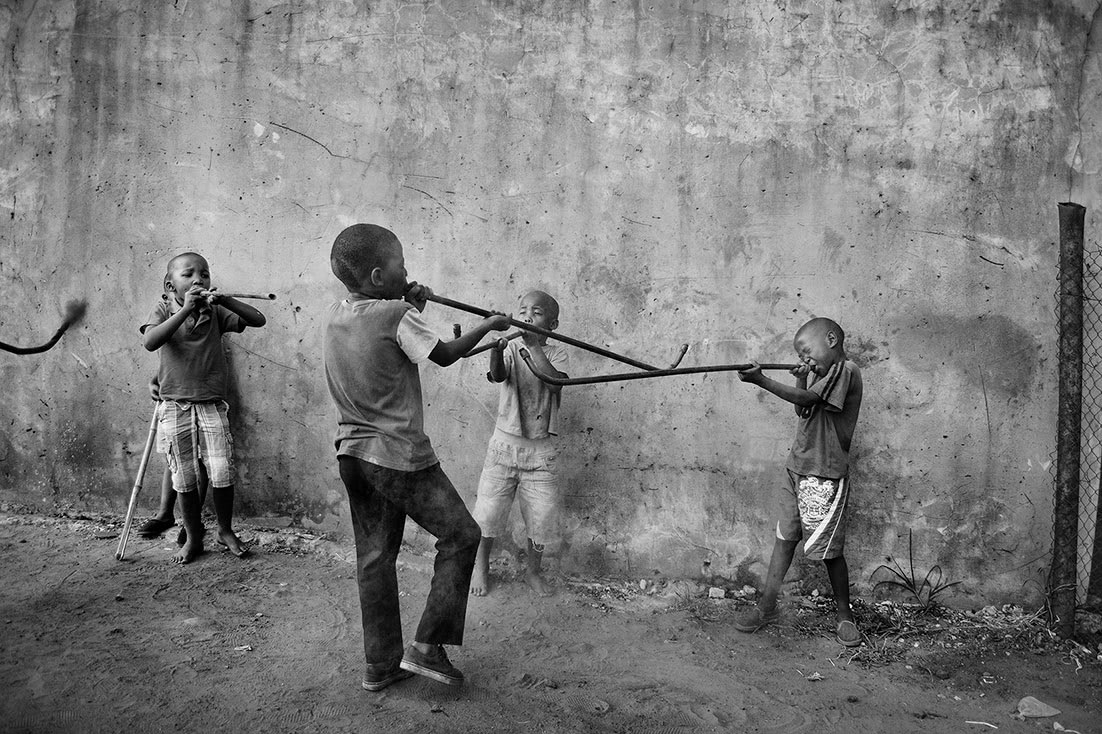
(527, 472)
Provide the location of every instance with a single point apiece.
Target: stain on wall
(704, 173)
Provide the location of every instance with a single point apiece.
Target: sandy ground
(272, 643)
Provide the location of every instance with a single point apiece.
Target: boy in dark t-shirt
(813, 504)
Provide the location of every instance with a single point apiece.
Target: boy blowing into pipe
(813, 501)
(374, 341)
(193, 429)
(521, 457)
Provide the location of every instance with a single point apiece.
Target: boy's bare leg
(779, 562)
(164, 519)
(533, 578)
(480, 578)
(181, 537)
(223, 509)
(168, 498)
(190, 507)
(838, 573)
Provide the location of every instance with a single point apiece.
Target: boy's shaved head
(550, 305)
(178, 258)
(358, 250)
(820, 326)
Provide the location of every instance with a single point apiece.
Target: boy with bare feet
(827, 396)
(375, 341)
(164, 520)
(193, 429)
(521, 456)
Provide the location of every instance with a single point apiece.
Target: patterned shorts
(195, 437)
(814, 508)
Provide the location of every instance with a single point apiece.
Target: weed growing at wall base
(926, 591)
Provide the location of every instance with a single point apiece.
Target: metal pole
(671, 372)
(1065, 528)
(459, 306)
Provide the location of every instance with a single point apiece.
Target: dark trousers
(380, 500)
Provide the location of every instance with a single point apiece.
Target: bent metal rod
(642, 375)
(545, 332)
(257, 296)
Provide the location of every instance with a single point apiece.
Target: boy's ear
(553, 325)
(376, 276)
(831, 339)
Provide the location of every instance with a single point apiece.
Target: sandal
(848, 634)
(754, 619)
(154, 527)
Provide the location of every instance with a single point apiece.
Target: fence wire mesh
(1088, 553)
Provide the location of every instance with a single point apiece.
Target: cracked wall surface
(699, 172)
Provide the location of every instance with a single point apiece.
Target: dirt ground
(272, 643)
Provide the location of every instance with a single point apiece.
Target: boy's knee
(469, 534)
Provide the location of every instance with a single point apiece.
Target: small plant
(925, 591)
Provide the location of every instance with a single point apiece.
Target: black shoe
(379, 677)
(433, 664)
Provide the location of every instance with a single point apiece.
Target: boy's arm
(448, 353)
(444, 353)
(541, 362)
(497, 372)
(249, 315)
(157, 336)
(797, 394)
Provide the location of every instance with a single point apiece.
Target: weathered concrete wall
(701, 172)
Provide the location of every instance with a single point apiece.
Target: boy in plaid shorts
(193, 429)
(827, 396)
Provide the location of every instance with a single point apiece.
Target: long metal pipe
(545, 332)
(551, 380)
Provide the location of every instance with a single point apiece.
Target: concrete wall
(698, 172)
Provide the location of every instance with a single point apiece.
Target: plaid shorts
(814, 508)
(194, 437)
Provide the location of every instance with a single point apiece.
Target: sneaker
(433, 664)
(754, 619)
(848, 634)
(379, 677)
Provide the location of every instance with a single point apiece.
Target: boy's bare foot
(188, 552)
(232, 543)
(480, 582)
(537, 584)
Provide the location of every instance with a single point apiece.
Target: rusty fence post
(1065, 527)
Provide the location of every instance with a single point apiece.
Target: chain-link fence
(1075, 579)
(1089, 541)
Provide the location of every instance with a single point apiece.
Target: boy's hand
(500, 344)
(192, 298)
(497, 322)
(752, 375)
(417, 295)
(800, 371)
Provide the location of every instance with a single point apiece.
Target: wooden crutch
(137, 486)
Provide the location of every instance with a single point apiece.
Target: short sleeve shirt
(823, 437)
(525, 405)
(372, 349)
(193, 360)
